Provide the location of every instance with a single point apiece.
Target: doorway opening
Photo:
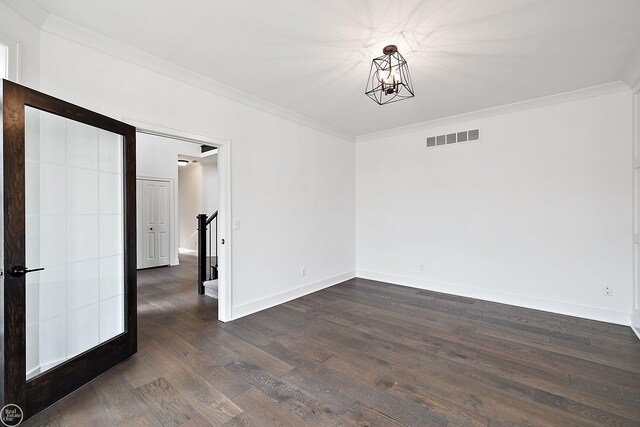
(195, 170)
(198, 208)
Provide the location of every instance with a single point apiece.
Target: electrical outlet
(607, 290)
(303, 272)
(421, 267)
(236, 224)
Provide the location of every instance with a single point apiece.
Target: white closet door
(162, 221)
(155, 202)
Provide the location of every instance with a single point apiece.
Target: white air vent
(453, 138)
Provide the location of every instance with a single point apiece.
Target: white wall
(537, 213)
(198, 188)
(14, 28)
(190, 204)
(211, 184)
(540, 219)
(292, 186)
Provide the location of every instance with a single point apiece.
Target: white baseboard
(187, 251)
(273, 300)
(560, 307)
(211, 288)
(635, 322)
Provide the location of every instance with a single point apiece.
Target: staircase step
(211, 288)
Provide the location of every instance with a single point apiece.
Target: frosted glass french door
(74, 231)
(69, 217)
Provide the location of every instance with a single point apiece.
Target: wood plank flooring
(361, 353)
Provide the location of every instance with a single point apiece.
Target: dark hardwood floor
(359, 353)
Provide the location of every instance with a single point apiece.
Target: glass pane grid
(74, 229)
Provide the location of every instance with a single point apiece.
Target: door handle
(18, 270)
(222, 241)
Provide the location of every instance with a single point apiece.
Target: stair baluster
(204, 258)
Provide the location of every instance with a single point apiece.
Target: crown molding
(576, 95)
(62, 28)
(29, 10)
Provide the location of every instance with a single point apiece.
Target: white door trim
(13, 58)
(635, 307)
(168, 132)
(225, 287)
(173, 260)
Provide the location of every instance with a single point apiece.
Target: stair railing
(205, 239)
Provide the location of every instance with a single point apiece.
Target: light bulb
(393, 78)
(389, 81)
(389, 78)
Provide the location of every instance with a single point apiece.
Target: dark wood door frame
(43, 390)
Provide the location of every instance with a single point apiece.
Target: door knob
(18, 270)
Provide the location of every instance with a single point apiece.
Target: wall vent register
(452, 138)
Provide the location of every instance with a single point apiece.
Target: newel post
(202, 252)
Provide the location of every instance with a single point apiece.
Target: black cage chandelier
(389, 79)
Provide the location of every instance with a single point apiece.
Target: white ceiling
(313, 57)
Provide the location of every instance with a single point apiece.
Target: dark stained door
(69, 246)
